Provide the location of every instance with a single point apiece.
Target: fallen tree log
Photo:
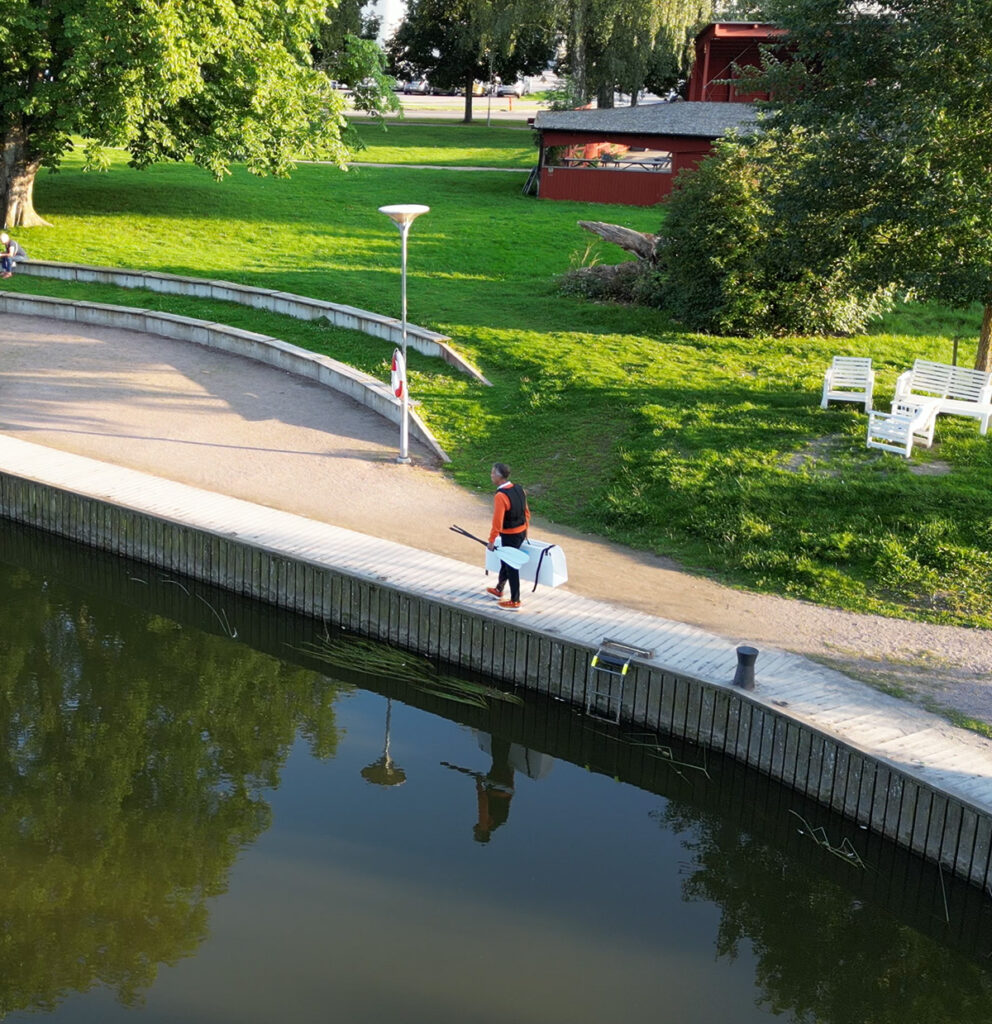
(640, 244)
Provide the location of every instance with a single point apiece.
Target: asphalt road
(496, 108)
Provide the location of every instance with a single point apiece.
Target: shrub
(727, 263)
(604, 282)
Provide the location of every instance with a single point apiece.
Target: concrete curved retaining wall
(300, 307)
(367, 390)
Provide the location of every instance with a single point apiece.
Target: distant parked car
(417, 86)
(518, 88)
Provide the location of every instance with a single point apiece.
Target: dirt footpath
(227, 424)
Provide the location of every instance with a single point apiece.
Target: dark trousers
(506, 572)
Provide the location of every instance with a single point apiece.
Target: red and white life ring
(397, 377)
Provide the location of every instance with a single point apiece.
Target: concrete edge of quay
(890, 768)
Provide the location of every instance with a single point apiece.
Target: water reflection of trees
(133, 766)
(854, 963)
(136, 755)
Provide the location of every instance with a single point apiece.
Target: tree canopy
(602, 45)
(627, 45)
(347, 52)
(165, 80)
(896, 168)
(870, 173)
(456, 43)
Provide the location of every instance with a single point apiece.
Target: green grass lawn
(710, 449)
(447, 144)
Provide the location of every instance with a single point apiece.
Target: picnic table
(606, 163)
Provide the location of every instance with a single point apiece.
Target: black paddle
(514, 557)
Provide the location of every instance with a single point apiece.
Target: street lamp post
(403, 216)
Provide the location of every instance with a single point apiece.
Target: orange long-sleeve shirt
(501, 505)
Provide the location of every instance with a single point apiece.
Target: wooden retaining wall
(943, 829)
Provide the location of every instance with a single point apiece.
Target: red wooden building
(631, 155)
(721, 46)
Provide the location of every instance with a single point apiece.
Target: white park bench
(958, 390)
(849, 379)
(910, 422)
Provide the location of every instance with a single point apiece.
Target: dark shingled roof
(702, 120)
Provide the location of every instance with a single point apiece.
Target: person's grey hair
(502, 469)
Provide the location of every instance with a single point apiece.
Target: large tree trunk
(17, 173)
(468, 100)
(983, 360)
(577, 53)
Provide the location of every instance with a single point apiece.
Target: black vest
(514, 516)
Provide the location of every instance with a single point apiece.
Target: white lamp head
(404, 214)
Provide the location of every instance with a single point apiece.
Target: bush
(604, 282)
(726, 262)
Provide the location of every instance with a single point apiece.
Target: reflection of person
(8, 250)
(511, 517)
(493, 791)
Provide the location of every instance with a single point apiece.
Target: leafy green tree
(893, 101)
(345, 18)
(455, 43)
(193, 80)
(729, 262)
(629, 44)
(347, 52)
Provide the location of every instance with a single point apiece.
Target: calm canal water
(213, 813)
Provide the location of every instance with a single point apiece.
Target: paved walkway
(244, 431)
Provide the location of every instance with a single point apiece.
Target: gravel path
(224, 423)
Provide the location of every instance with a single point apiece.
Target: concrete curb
(363, 388)
(300, 307)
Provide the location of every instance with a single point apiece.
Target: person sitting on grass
(9, 252)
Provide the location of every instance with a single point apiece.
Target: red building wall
(718, 48)
(633, 188)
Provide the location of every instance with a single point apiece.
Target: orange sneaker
(495, 591)
(509, 606)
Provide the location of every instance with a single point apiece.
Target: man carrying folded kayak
(511, 517)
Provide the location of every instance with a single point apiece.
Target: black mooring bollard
(744, 676)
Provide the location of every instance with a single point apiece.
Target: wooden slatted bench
(959, 391)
